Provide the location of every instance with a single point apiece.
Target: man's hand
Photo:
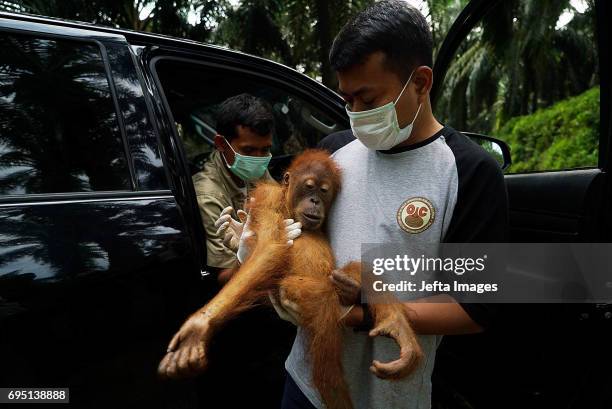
(285, 308)
(245, 243)
(394, 324)
(349, 289)
(293, 230)
(290, 311)
(238, 236)
(186, 353)
(230, 228)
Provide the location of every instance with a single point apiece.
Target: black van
(102, 251)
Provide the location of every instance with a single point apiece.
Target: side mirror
(498, 149)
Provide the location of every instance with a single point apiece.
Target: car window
(528, 74)
(194, 93)
(58, 125)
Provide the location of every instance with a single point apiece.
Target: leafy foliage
(298, 33)
(165, 16)
(517, 61)
(562, 136)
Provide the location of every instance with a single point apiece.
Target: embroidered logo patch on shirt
(415, 215)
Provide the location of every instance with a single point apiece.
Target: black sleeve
(336, 140)
(481, 210)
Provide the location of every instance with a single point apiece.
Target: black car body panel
(93, 284)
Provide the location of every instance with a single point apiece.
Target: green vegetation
(297, 33)
(562, 136)
(528, 73)
(517, 60)
(518, 69)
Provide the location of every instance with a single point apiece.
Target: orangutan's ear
(286, 177)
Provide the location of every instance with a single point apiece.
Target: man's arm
(426, 316)
(220, 259)
(481, 214)
(224, 274)
(446, 318)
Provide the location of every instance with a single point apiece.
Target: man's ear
(219, 143)
(423, 79)
(286, 178)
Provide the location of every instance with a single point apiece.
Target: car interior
(194, 92)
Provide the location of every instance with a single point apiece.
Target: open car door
(507, 69)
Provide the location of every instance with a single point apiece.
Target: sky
(579, 5)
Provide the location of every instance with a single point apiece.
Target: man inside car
(245, 125)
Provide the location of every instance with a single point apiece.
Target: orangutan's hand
(394, 324)
(186, 354)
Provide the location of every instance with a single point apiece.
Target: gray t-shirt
(371, 208)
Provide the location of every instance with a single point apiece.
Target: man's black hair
(394, 27)
(245, 110)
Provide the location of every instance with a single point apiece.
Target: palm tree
(441, 14)
(517, 61)
(297, 33)
(255, 28)
(166, 16)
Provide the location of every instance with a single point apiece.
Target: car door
(97, 263)
(508, 70)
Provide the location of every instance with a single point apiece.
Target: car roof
(137, 38)
(134, 37)
(140, 36)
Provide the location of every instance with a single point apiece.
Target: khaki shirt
(215, 190)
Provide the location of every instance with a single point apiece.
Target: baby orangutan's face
(310, 194)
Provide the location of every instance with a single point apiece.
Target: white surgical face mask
(378, 128)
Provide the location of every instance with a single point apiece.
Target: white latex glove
(293, 230)
(286, 309)
(230, 228)
(244, 249)
(236, 233)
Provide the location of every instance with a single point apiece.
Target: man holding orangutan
(395, 158)
(401, 155)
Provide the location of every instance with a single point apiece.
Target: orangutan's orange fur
(303, 271)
